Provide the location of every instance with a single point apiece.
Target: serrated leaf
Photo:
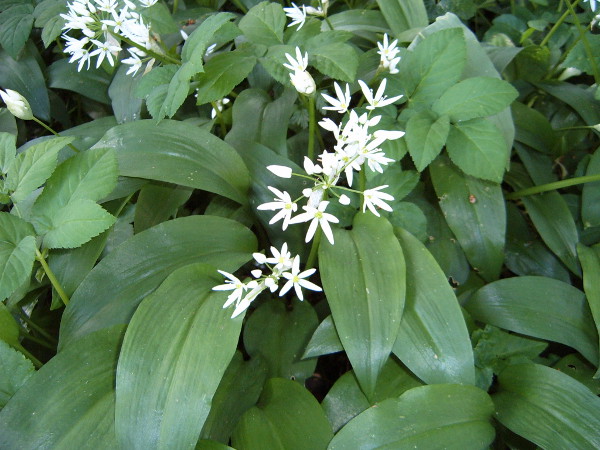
(475, 212)
(15, 370)
(8, 150)
(273, 62)
(197, 42)
(155, 78)
(47, 16)
(478, 148)
(31, 168)
(366, 292)
(173, 357)
(426, 135)
(475, 97)
(264, 23)
(222, 73)
(548, 408)
(75, 224)
(336, 60)
(441, 415)
(15, 25)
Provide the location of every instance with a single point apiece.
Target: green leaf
(47, 16)
(366, 292)
(173, 357)
(361, 22)
(336, 60)
(264, 23)
(31, 168)
(426, 135)
(548, 407)
(8, 150)
(9, 329)
(17, 253)
(287, 417)
(15, 370)
(540, 307)
(475, 212)
(75, 224)
(91, 83)
(325, 340)
(273, 62)
(125, 106)
(158, 202)
(160, 18)
(433, 66)
(442, 415)
(580, 99)
(180, 153)
(69, 402)
(135, 268)
(590, 198)
(578, 57)
(279, 336)
(577, 367)
(533, 128)
(238, 391)
(433, 340)
(15, 25)
(197, 42)
(222, 73)
(478, 148)
(475, 97)
(590, 263)
(402, 16)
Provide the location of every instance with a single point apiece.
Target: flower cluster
(281, 266)
(298, 14)
(301, 79)
(355, 147)
(102, 24)
(388, 53)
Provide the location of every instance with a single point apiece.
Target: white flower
(148, 3)
(243, 305)
(319, 217)
(105, 49)
(373, 198)
(232, 284)
(296, 279)
(281, 171)
(341, 103)
(284, 203)
(388, 53)
(109, 6)
(344, 199)
(298, 15)
(17, 105)
(281, 258)
(134, 60)
(378, 100)
(220, 104)
(310, 167)
(299, 64)
(303, 82)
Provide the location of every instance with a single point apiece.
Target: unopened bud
(17, 104)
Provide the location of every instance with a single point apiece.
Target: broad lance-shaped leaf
(364, 278)
(287, 416)
(17, 253)
(475, 212)
(69, 402)
(179, 153)
(325, 340)
(436, 416)
(590, 263)
(548, 407)
(540, 307)
(33, 166)
(114, 288)
(173, 357)
(433, 340)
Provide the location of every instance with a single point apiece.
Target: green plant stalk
(36, 340)
(552, 186)
(36, 327)
(312, 256)
(175, 6)
(312, 121)
(586, 42)
(558, 23)
(55, 283)
(240, 6)
(220, 118)
(48, 128)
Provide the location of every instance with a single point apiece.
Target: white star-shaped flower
(342, 102)
(281, 258)
(297, 280)
(318, 217)
(373, 197)
(283, 202)
(298, 15)
(299, 64)
(378, 100)
(233, 284)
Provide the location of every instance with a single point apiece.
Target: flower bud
(16, 104)
(281, 171)
(303, 82)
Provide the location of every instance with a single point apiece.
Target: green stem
(165, 59)
(312, 256)
(311, 127)
(55, 283)
(39, 122)
(586, 42)
(36, 327)
(328, 22)
(37, 340)
(552, 186)
(554, 28)
(240, 6)
(220, 119)
(175, 6)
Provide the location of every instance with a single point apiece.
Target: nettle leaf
(476, 214)
(434, 65)
(47, 16)
(423, 417)
(17, 253)
(222, 73)
(173, 357)
(336, 60)
(478, 148)
(590, 263)
(273, 62)
(286, 415)
(475, 97)
(31, 168)
(264, 23)
(8, 150)
(426, 135)
(539, 307)
(364, 278)
(15, 370)
(15, 25)
(547, 407)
